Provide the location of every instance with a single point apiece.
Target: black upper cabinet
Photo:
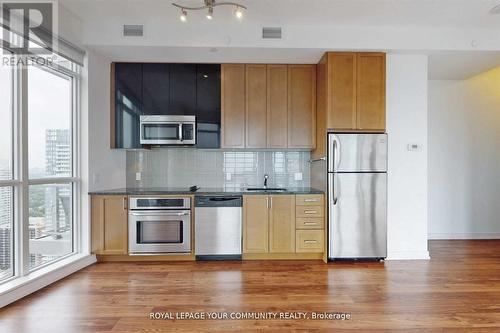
(182, 89)
(208, 109)
(128, 104)
(156, 88)
(167, 89)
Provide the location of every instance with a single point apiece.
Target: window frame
(21, 182)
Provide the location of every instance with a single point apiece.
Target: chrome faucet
(266, 177)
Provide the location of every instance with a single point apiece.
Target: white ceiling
(310, 27)
(415, 13)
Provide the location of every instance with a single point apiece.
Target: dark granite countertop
(202, 191)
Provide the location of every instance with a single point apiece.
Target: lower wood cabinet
(282, 223)
(283, 226)
(109, 224)
(255, 224)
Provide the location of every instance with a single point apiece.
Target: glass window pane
(6, 233)
(6, 86)
(49, 124)
(50, 222)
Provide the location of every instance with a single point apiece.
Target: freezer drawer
(357, 152)
(357, 215)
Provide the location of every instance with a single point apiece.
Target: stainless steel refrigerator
(357, 196)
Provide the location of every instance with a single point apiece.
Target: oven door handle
(158, 214)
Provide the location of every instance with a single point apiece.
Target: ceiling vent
(271, 33)
(133, 30)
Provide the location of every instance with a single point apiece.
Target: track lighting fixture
(210, 4)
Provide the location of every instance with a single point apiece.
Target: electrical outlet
(138, 176)
(228, 176)
(298, 176)
(96, 178)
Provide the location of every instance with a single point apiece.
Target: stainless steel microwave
(168, 130)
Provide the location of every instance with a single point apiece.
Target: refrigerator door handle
(335, 182)
(332, 152)
(332, 192)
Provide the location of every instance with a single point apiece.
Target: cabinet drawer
(309, 199)
(309, 241)
(310, 223)
(310, 211)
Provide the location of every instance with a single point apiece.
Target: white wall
(464, 157)
(407, 171)
(106, 167)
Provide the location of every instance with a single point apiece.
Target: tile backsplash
(184, 167)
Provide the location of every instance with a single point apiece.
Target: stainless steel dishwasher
(218, 227)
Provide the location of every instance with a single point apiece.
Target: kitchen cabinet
(277, 106)
(156, 88)
(208, 106)
(126, 105)
(301, 106)
(233, 105)
(370, 91)
(164, 89)
(282, 223)
(350, 94)
(109, 224)
(255, 106)
(182, 89)
(255, 224)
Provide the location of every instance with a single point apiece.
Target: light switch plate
(298, 176)
(138, 176)
(228, 176)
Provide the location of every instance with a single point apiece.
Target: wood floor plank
(458, 290)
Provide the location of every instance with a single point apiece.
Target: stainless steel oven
(159, 225)
(168, 130)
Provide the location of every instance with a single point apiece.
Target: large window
(6, 173)
(38, 173)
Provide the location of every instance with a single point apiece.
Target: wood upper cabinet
(341, 82)
(370, 91)
(350, 94)
(301, 106)
(233, 105)
(277, 106)
(282, 224)
(255, 224)
(256, 106)
(109, 224)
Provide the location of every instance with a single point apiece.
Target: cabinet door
(282, 224)
(277, 106)
(182, 89)
(341, 90)
(156, 88)
(255, 102)
(301, 106)
(233, 105)
(255, 224)
(208, 106)
(109, 225)
(127, 104)
(371, 91)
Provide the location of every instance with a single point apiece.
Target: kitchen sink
(266, 189)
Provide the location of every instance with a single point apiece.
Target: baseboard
(474, 235)
(20, 287)
(408, 255)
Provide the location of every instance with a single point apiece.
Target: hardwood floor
(457, 290)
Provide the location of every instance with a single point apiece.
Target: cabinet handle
(125, 203)
(310, 212)
(271, 202)
(267, 202)
(310, 200)
(310, 241)
(310, 223)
